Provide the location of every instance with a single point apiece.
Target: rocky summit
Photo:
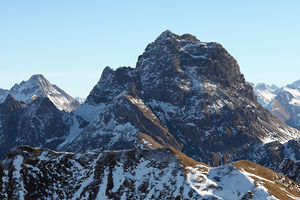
(186, 94)
(162, 173)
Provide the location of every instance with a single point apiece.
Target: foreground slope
(30, 173)
(186, 94)
(38, 86)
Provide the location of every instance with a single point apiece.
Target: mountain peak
(169, 35)
(180, 54)
(38, 85)
(40, 80)
(36, 80)
(37, 76)
(165, 35)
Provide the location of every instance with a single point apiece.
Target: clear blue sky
(70, 41)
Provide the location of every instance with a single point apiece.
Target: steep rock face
(183, 93)
(38, 123)
(39, 86)
(163, 173)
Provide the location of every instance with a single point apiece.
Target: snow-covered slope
(38, 85)
(163, 173)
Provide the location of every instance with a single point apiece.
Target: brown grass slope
(276, 184)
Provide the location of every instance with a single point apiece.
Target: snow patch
(225, 182)
(17, 175)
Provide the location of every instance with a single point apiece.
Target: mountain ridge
(32, 173)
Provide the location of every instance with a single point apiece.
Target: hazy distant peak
(263, 86)
(37, 76)
(38, 86)
(295, 84)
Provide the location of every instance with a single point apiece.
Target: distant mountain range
(282, 102)
(183, 97)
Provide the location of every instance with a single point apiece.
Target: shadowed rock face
(186, 94)
(10, 104)
(162, 173)
(39, 123)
